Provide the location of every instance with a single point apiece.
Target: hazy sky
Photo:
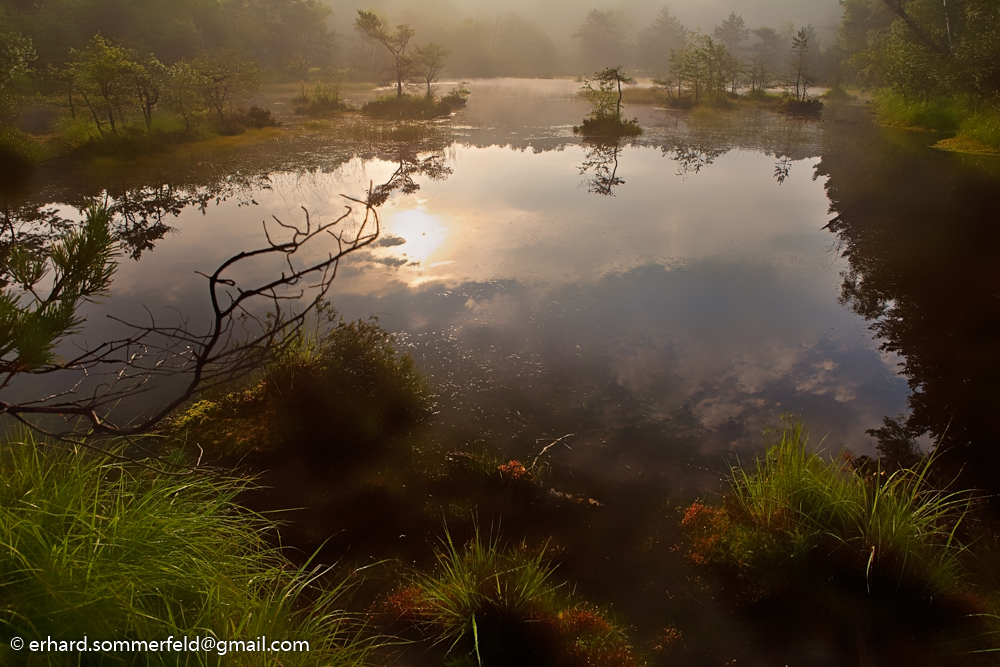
(562, 17)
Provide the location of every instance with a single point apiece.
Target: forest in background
(195, 64)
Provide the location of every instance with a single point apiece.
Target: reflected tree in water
(782, 169)
(600, 165)
(411, 164)
(692, 159)
(919, 232)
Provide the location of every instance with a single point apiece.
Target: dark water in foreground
(657, 302)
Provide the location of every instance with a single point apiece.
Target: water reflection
(600, 164)
(919, 231)
(411, 164)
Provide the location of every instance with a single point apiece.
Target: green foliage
(983, 127)
(925, 49)
(36, 315)
(339, 391)
(495, 606)
(794, 516)
(703, 69)
(275, 33)
(396, 41)
(605, 118)
(456, 98)
(939, 115)
(16, 56)
(92, 548)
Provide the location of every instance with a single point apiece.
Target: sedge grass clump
(111, 551)
(494, 606)
(794, 516)
(339, 390)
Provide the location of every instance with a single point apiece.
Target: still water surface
(662, 300)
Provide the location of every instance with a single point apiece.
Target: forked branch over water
(247, 323)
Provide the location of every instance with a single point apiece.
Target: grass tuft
(795, 512)
(492, 605)
(115, 552)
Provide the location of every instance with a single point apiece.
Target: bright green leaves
(50, 286)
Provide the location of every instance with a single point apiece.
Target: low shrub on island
(605, 118)
(416, 107)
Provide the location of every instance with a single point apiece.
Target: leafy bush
(95, 548)
(323, 102)
(254, 118)
(495, 606)
(337, 392)
(456, 98)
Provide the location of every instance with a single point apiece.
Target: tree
(926, 48)
(370, 25)
(732, 32)
(226, 79)
(182, 91)
(601, 38)
(801, 45)
(704, 64)
(149, 77)
(104, 74)
(16, 56)
(606, 98)
(768, 56)
(430, 60)
(656, 41)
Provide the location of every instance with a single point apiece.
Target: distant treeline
(284, 36)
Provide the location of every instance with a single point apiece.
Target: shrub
(608, 126)
(338, 392)
(495, 606)
(241, 120)
(322, 103)
(456, 98)
(93, 547)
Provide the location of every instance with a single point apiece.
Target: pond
(653, 305)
